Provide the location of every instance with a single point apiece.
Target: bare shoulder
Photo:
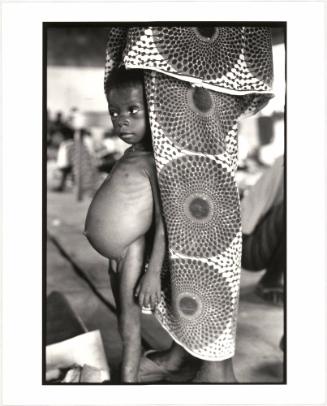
(144, 160)
(148, 164)
(149, 160)
(138, 163)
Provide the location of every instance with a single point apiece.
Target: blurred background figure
(95, 156)
(109, 151)
(262, 137)
(264, 234)
(58, 130)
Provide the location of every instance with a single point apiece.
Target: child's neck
(137, 147)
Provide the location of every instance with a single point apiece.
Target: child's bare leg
(114, 282)
(129, 270)
(216, 371)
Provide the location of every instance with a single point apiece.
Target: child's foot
(153, 367)
(173, 365)
(215, 372)
(168, 359)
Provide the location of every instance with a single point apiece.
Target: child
(123, 211)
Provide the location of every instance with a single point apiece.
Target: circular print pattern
(204, 52)
(258, 53)
(201, 205)
(189, 305)
(195, 118)
(203, 302)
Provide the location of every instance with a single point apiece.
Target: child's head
(127, 106)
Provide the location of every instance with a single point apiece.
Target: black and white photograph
(163, 203)
(165, 207)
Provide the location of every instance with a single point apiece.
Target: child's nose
(123, 121)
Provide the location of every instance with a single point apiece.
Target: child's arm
(148, 290)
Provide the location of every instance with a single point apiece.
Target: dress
(199, 81)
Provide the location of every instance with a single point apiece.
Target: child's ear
(108, 105)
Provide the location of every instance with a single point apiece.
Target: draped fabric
(199, 82)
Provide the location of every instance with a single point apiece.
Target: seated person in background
(123, 211)
(264, 237)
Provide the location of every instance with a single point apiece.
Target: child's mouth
(126, 135)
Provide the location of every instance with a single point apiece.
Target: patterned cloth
(199, 81)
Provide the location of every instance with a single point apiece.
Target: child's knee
(128, 302)
(133, 253)
(129, 327)
(136, 251)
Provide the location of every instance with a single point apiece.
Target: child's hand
(148, 290)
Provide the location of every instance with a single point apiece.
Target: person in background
(67, 157)
(112, 149)
(264, 234)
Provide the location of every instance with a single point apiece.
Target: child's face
(128, 115)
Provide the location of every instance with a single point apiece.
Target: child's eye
(134, 109)
(113, 114)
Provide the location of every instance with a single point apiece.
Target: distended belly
(119, 214)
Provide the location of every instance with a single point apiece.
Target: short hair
(122, 77)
